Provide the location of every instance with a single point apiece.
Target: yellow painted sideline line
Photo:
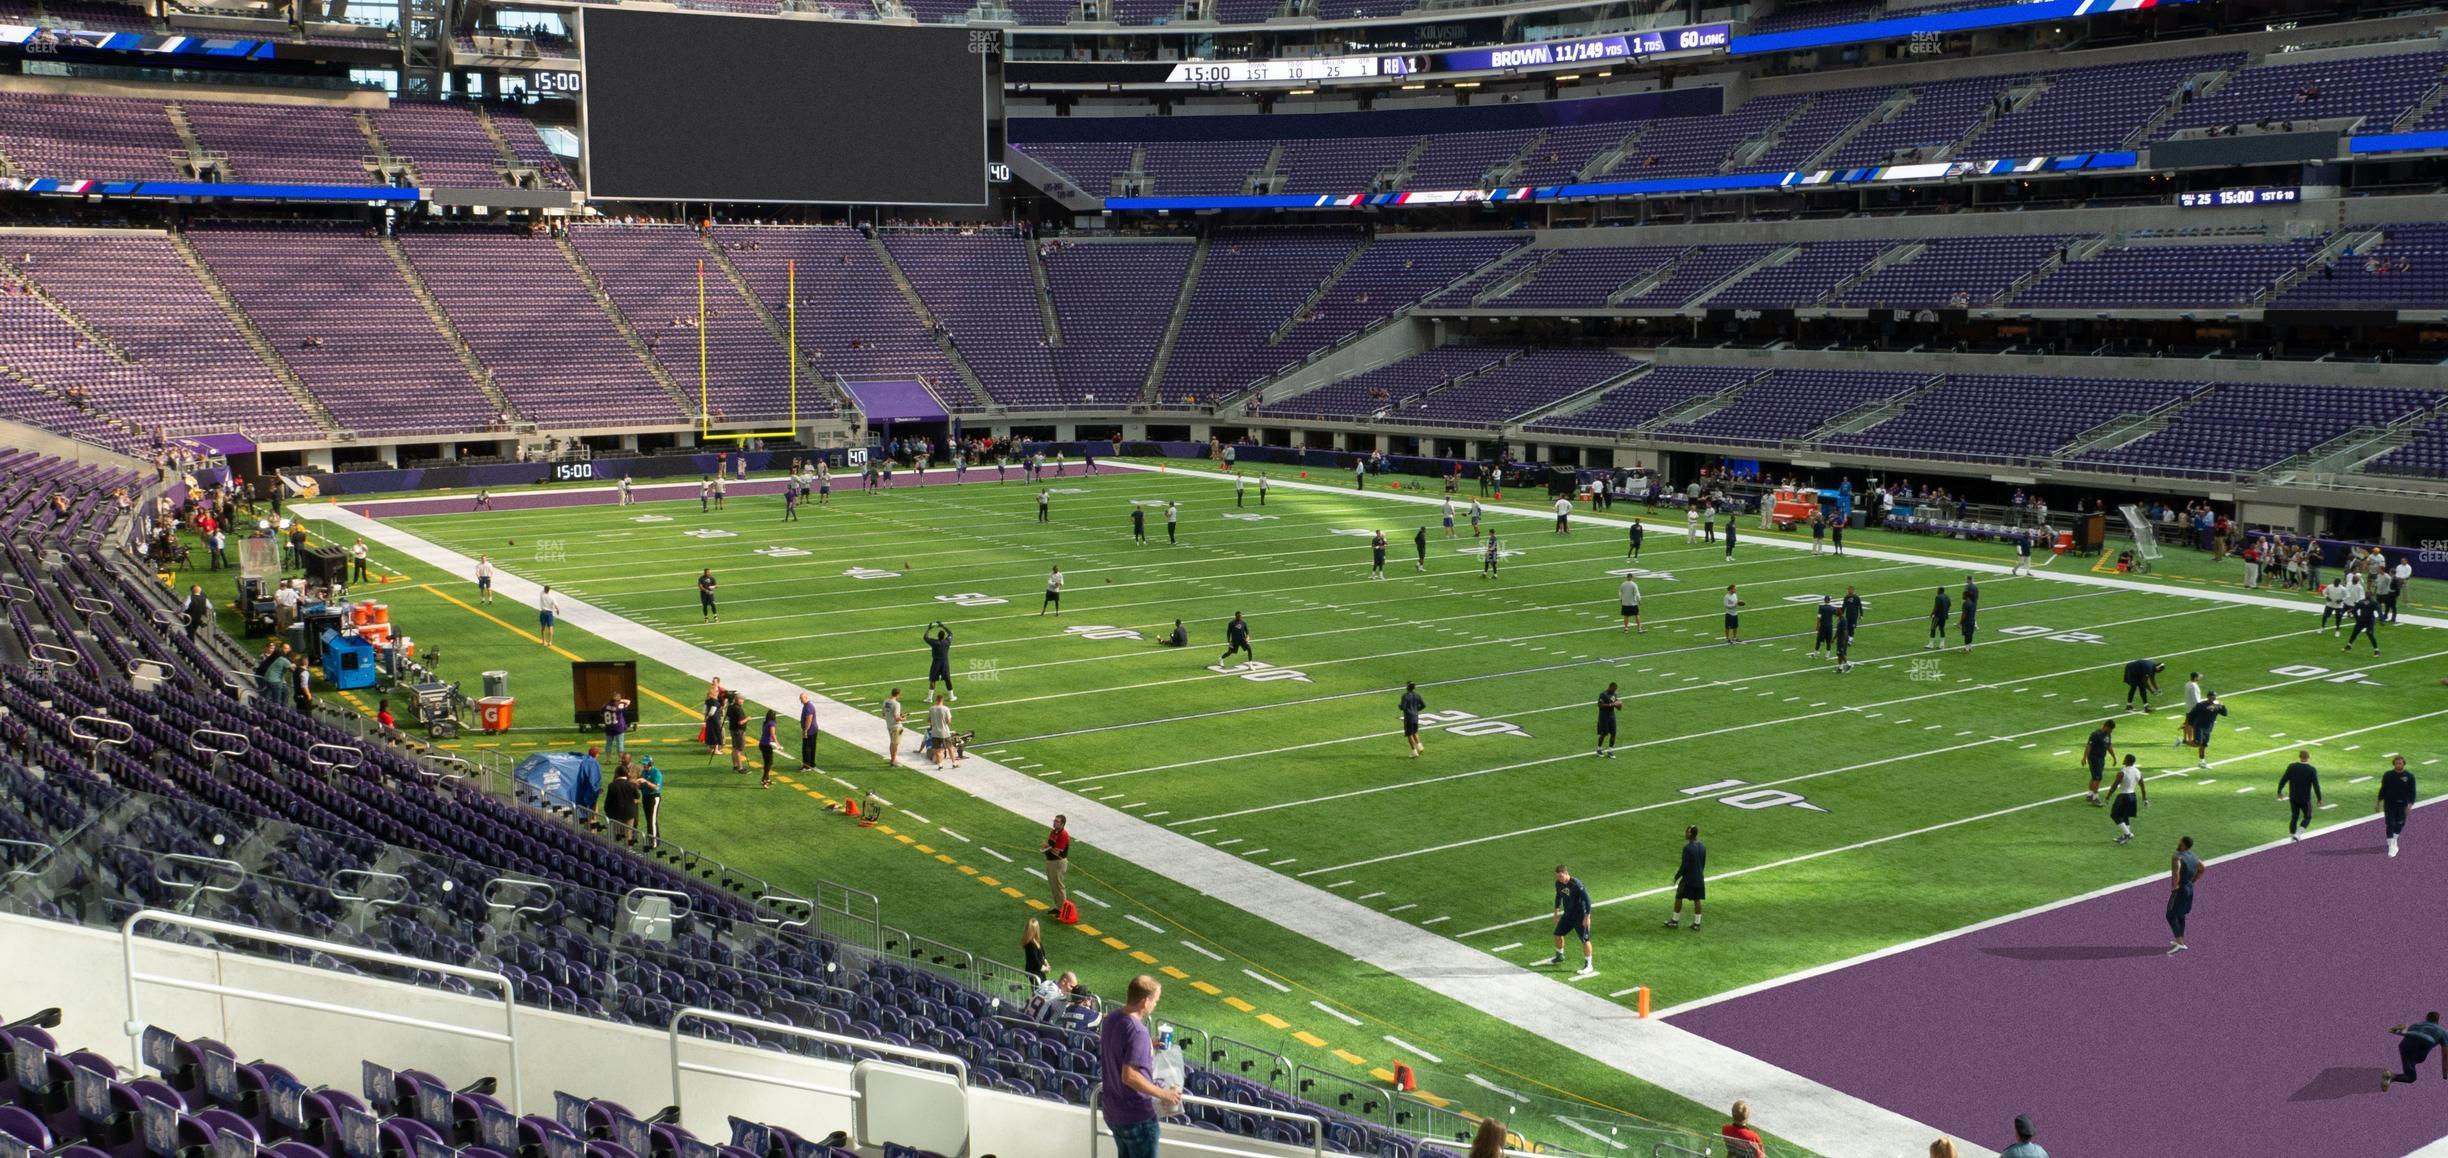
(557, 649)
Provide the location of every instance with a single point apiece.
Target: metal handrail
(89, 606)
(42, 851)
(136, 1023)
(78, 727)
(48, 655)
(630, 901)
(12, 593)
(355, 757)
(551, 895)
(775, 901)
(200, 886)
(371, 875)
(217, 744)
(960, 1069)
(1317, 1125)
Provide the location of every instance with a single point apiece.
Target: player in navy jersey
(2097, 752)
(1690, 879)
(1941, 608)
(1608, 703)
(1572, 916)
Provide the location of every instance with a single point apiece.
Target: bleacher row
(2143, 426)
(2063, 111)
(135, 322)
(119, 794)
(129, 138)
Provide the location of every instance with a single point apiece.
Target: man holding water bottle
(1132, 1099)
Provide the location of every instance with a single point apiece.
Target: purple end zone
(2268, 1037)
(603, 492)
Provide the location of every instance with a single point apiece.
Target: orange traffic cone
(1402, 1078)
(849, 806)
(1068, 914)
(1304, 474)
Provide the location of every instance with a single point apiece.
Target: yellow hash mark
(1036, 904)
(985, 880)
(1349, 1056)
(967, 871)
(1174, 973)
(1143, 957)
(1431, 1099)
(1241, 1005)
(903, 837)
(923, 848)
(1116, 943)
(1011, 892)
(885, 828)
(1089, 930)
(1382, 1074)
(944, 857)
(1273, 1022)
(1205, 988)
(1309, 1039)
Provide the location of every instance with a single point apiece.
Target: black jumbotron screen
(705, 107)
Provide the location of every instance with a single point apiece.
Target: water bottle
(1170, 1068)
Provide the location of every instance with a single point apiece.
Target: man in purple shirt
(1127, 1060)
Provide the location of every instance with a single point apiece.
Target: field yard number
(1865, 606)
(971, 599)
(782, 552)
(1252, 518)
(1352, 534)
(1643, 573)
(871, 573)
(1756, 799)
(710, 533)
(1100, 631)
(1467, 724)
(1258, 672)
(2054, 634)
(1501, 552)
(652, 519)
(2305, 671)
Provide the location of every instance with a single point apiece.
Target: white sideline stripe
(916, 817)
(1332, 1012)
(1407, 1047)
(1090, 899)
(1267, 981)
(994, 854)
(2155, 877)
(954, 835)
(1822, 1118)
(1143, 922)
(1202, 951)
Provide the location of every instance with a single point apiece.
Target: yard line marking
(2033, 744)
(1280, 863)
(1229, 843)
(1636, 809)
(2358, 780)
(1709, 733)
(1337, 884)
(1407, 1047)
(2242, 791)
(845, 783)
(1367, 896)
(1143, 922)
(1255, 851)
(954, 835)
(1505, 948)
(1492, 1087)
(1203, 831)
(1405, 905)
(916, 817)
(1267, 981)
(1202, 951)
(1625, 992)
(1090, 899)
(991, 852)
(1332, 1012)
(2351, 747)
(2211, 781)
(1435, 921)
(1940, 827)
(1037, 873)
(1159, 812)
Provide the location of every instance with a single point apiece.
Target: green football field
(1923, 791)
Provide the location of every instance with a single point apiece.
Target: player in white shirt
(2333, 607)
(2132, 794)
(1733, 616)
(484, 579)
(548, 612)
(2192, 699)
(1053, 596)
(1627, 597)
(626, 499)
(1691, 523)
(939, 731)
(1563, 516)
(1449, 519)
